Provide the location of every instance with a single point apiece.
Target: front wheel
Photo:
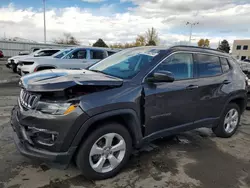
(229, 122)
(104, 152)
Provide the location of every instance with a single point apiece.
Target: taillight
(35, 69)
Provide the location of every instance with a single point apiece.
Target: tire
(87, 164)
(224, 130)
(14, 68)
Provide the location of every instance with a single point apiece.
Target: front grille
(27, 99)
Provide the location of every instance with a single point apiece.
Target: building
(241, 49)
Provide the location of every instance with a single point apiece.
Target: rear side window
(208, 65)
(224, 64)
(96, 54)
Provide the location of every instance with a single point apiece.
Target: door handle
(226, 82)
(192, 87)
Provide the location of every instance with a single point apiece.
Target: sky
(120, 21)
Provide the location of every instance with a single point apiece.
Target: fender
(233, 96)
(133, 125)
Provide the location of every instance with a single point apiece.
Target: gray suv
(97, 116)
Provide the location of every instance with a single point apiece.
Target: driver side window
(179, 64)
(77, 54)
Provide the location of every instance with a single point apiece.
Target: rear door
(211, 80)
(96, 55)
(171, 105)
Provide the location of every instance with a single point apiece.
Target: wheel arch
(239, 99)
(126, 117)
(240, 102)
(44, 66)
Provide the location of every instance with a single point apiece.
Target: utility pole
(191, 29)
(44, 21)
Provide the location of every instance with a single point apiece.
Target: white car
(77, 58)
(13, 61)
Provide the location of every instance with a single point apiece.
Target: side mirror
(162, 76)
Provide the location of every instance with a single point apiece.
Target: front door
(169, 105)
(77, 59)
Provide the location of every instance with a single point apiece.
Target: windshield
(127, 63)
(61, 54)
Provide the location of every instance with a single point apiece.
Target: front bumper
(61, 152)
(8, 65)
(27, 150)
(23, 69)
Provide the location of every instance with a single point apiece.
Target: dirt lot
(190, 160)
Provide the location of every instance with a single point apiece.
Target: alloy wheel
(231, 120)
(107, 152)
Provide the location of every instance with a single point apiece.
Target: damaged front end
(48, 114)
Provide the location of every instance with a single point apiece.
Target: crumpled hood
(59, 79)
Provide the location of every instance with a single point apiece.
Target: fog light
(42, 136)
(46, 139)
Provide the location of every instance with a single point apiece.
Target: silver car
(76, 58)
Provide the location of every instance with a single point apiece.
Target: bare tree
(67, 39)
(152, 36)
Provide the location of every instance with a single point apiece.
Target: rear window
(208, 65)
(224, 64)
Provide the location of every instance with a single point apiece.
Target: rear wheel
(229, 122)
(104, 152)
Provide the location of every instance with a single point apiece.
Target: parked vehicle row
(74, 58)
(69, 58)
(12, 62)
(98, 116)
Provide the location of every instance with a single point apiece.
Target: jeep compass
(96, 117)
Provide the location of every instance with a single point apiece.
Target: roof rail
(197, 47)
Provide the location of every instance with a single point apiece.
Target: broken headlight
(55, 108)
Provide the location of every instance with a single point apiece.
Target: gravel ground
(190, 160)
(6, 75)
